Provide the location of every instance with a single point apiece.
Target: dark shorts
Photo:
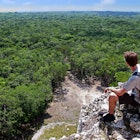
(127, 99)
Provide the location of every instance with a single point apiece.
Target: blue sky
(69, 5)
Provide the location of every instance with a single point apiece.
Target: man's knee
(113, 97)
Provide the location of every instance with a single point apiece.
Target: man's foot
(108, 118)
(101, 113)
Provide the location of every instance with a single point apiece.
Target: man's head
(131, 58)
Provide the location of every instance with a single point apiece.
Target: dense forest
(37, 50)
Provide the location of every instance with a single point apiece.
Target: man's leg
(113, 98)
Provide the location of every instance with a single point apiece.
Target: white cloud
(104, 5)
(105, 2)
(27, 3)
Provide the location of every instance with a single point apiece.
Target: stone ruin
(125, 127)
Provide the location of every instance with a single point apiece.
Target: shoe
(108, 118)
(101, 113)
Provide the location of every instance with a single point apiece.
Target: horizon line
(69, 11)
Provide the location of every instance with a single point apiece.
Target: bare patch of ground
(69, 99)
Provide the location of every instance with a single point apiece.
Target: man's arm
(118, 92)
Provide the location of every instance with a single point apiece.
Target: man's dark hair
(131, 58)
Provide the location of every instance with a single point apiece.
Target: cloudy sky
(69, 5)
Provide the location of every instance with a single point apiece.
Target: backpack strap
(137, 96)
(137, 74)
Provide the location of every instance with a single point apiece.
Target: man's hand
(118, 92)
(107, 90)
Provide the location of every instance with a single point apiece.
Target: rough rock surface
(125, 127)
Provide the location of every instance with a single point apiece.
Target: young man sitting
(121, 94)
